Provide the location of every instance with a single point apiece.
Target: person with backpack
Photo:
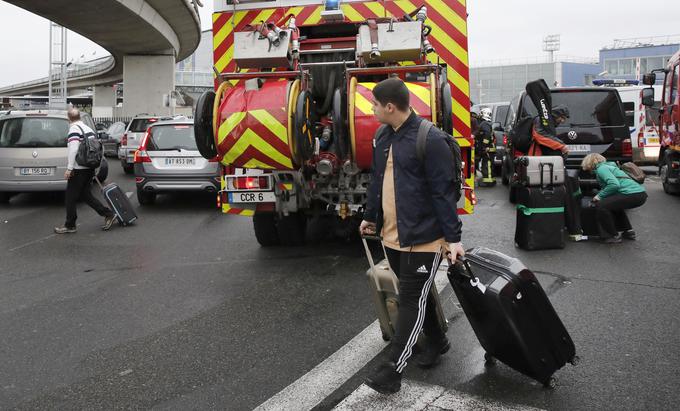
(618, 192)
(544, 142)
(485, 148)
(84, 156)
(411, 204)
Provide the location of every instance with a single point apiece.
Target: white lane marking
(38, 240)
(416, 396)
(128, 194)
(312, 388)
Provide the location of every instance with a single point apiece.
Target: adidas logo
(422, 269)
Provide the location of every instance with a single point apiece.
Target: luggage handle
(551, 166)
(395, 281)
(98, 182)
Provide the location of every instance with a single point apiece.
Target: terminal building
(624, 59)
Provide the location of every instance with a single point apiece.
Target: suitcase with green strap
(540, 217)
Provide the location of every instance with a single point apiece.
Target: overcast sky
(498, 30)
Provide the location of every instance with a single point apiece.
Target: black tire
(305, 124)
(4, 198)
(103, 171)
(127, 168)
(203, 125)
(664, 169)
(146, 197)
(447, 108)
(291, 229)
(551, 383)
(340, 134)
(264, 225)
(506, 170)
(512, 196)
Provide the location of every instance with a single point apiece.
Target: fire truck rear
(291, 119)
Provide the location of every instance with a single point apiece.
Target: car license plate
(579, 148)
(36, 171)
(652, 140)
(180, 161)
(252, 197)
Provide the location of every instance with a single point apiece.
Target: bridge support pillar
(103, 101)
(146, 79)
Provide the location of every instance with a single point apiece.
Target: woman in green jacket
(618, 192)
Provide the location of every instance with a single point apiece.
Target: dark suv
(597, 124)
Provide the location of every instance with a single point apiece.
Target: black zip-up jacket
(424, 193)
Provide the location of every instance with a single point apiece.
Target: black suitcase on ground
(540, 218)
(511, 315)
(572, 205)
(119, 203)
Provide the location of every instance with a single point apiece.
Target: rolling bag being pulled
(384, 286)
(120, 204)
(511, 315)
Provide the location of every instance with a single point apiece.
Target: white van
(643, 123)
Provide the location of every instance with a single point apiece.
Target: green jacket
(613, 180)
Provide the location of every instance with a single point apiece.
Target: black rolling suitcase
(540, 218)
(119, 203)
(511, 315)
(588, 216)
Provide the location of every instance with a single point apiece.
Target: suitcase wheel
(385, 337)
(551, 383)
(489, 360)
(574, 361)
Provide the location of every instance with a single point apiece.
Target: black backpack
(520, 135)
(89, 151)
(421, 142)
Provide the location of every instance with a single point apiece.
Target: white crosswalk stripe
(417, 396)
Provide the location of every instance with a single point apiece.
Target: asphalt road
(185, 311)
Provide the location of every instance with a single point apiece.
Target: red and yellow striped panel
(448, 19)
(252, 127)
(363, 124)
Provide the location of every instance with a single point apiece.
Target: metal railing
(644, 42)
(534, 60)
(98, 66)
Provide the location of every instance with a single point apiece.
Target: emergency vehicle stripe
(228, 126)
(377, 8)
(249, 139)
(273, 124)
(362, 104)
(315, 18)
(226, 208)
(351, 13)
(363, 11)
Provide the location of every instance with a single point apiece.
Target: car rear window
(139, 125)
(33, 132)
(172, 137)
(586, 108)
(501, 114)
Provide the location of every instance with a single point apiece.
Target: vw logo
(35, 154)
(572, 135)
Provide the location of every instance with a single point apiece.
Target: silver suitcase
(541, 171)
(384, 286)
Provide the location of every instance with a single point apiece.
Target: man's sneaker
(386, 380)
(612, 240)
(629, 235)
(432, 353)
(578, 237)
(108, 222)
(64, 230)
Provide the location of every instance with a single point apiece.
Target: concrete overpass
(145, 39)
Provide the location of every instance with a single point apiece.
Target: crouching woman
(618, 192)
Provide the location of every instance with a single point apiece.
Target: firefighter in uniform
(485, 148)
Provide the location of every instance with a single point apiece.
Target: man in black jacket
(412, 205)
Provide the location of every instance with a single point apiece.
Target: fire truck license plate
(252, 197)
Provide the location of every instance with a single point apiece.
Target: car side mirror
(648, 96)
(649, 79)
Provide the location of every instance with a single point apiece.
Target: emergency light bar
(615, 82)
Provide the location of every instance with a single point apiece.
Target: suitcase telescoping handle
(369, 255)
(551, 166)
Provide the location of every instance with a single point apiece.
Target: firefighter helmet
(485, 114)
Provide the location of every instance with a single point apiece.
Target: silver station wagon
(33, 151)
(168, 160)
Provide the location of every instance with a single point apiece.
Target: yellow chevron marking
(362, 104)
(250, 138)
(421, 92)
(458, 81)
(295, 10)
(263, 16)
(449, 15)
(376, 8)
(244, 212)
(255, 163)
(315, 17)
(369, 86)
(228, 27)
(269, 121)
(462, 2)
(215, 16)
(225, 59)
(463, 142)
(461, 112)
(228, 126)
(288, 186)
(450, 44)
(351, 14)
